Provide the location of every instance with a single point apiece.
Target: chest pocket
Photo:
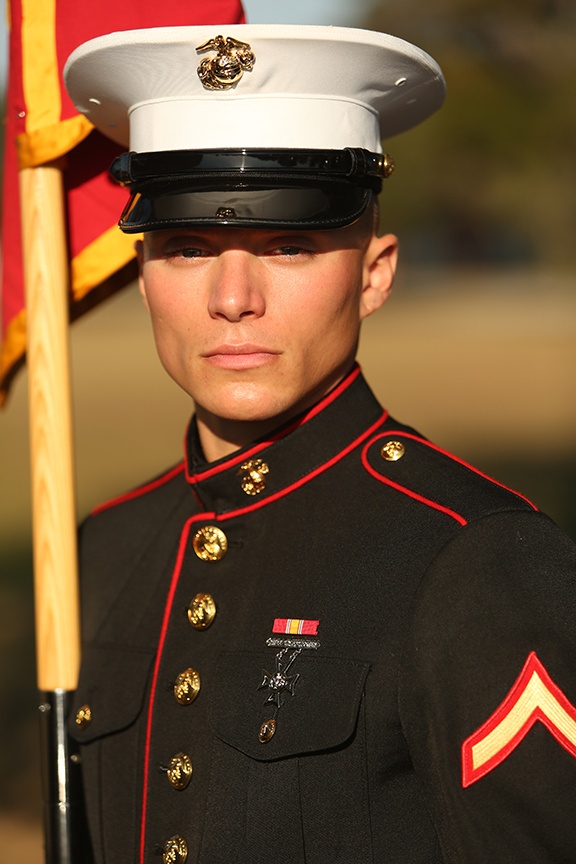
(110, 692)
(302, 795)
(319, 702)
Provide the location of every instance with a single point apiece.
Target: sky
(345, 13)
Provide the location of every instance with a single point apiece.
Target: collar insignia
(253, 474)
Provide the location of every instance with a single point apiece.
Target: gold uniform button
(187, 686)
(83, 717)
(202, 611)
(180, 771)
(175, 850)
(392, 451)
(210, 543)
(267, 731)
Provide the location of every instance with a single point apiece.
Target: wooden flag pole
(53, 500)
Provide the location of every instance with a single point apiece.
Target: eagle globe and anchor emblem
(226, 68)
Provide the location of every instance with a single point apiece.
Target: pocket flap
(110, 692)
(319, 707)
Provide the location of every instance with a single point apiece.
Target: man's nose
(237, 289)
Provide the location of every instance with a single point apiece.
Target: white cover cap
(257, 126)
(309, 87)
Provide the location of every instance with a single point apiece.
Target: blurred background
(477, 347)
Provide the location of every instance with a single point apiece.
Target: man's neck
(220, 437)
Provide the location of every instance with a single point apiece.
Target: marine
(320, 638)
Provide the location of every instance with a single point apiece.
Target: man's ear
(379, 269)
(139, 248)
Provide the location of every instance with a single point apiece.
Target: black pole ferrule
(65, 832)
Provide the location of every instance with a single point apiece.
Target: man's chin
(246, 402)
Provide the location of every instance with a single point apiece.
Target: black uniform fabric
(432, 586)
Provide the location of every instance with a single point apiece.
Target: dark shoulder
(147, 494)
(131, 517)
(124, 542)
(402, 459)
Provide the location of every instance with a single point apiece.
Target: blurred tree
(492, 176)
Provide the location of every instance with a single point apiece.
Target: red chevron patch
(534, 697)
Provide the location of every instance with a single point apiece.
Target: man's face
(256, 325)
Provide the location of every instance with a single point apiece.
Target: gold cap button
(210, 543)
(187, 686)
(175, 850)
(267, 731)
(180, 771)
(392, 451)
(83, 717)
(387, 165)
(202, 611)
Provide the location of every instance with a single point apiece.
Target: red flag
(42, 126)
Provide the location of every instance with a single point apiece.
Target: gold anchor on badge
(226, 68)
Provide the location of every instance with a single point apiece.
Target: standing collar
(291, 456)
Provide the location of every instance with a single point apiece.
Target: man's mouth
(242, 356)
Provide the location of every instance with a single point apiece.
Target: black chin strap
(138, 171)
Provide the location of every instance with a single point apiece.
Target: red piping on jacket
(174, 583)
(433, 504)
(427, 501)
(247, 454)
(307, 477)
(163, 631)
(141, 490)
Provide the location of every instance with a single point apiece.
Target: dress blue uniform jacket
(378, 650)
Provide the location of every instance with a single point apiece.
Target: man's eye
(189, 252)
(172, 251)
(290, 251)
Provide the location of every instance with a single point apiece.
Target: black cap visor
(265, 189)
(257, 207)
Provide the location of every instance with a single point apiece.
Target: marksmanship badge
(280, 682)
(294, 636)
